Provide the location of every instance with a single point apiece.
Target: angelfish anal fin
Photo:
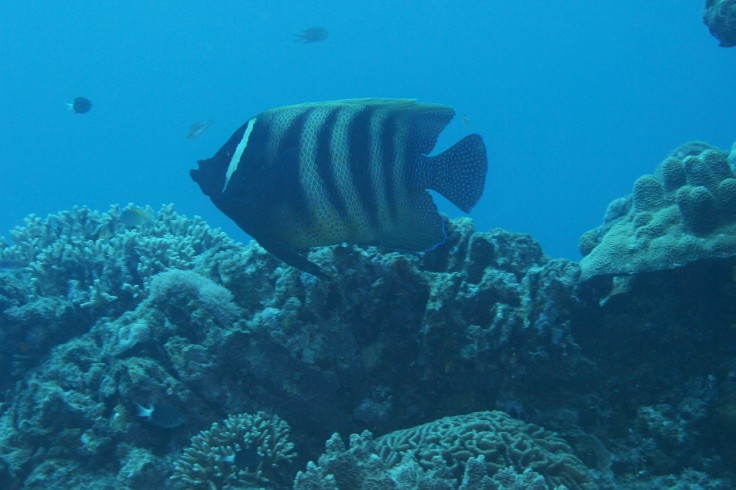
(288, 255)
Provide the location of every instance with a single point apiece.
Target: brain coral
(243, 451)
(684, 212)
(359, 467)
(502, 440)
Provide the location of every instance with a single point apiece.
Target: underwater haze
(574, 99)
(576, 331)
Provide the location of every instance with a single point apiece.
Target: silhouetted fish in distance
(80, 105)
(196, 130)
(312, 35)
(352, 171)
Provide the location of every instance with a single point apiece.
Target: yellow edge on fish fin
(395, 104)
(410, 105)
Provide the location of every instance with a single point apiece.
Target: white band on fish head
(235, 160)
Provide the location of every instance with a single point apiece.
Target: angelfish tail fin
(458, 173)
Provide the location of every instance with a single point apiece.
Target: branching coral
(243, 451)
(80, 265)
(99, 260)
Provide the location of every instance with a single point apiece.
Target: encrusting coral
(684, 212)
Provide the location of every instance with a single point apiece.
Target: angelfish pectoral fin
(287, 254)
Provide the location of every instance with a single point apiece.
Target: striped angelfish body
(353, 171)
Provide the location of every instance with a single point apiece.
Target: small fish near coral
(312, 35)
(353, 171)
(133, 216)
(80, 105)
(130, 217)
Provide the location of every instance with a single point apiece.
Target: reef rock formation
(720, 17)
(128, 339)
(172, 321)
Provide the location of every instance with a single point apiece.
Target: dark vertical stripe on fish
(388, 160)
(359, 144)
(257, 146)
(288, 157)
(323, 157)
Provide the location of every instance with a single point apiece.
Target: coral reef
(661, 369)
(358, 467)
(245, 450)
(720, 17)
(126, 334)
(683, 213)
(82, 265)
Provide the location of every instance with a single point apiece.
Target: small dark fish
(352, 171)
(80, 105)
(10, 266)
(312, 35)
(161, 415)
(198, 128)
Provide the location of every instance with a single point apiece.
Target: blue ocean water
(575, 99)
